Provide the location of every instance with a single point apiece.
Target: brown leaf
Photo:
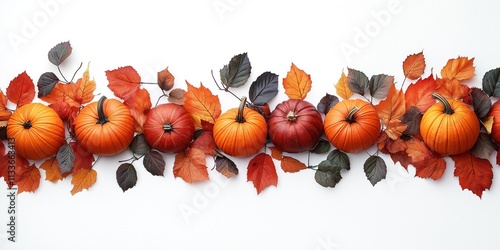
(52, 170)
(165, 80)
(292, 165)
(461, 68)
(21, 90)
(177, 96)
(82, 179)
(191, 165)
(342, 87)
(393, 107)
(123, 81)
(297, 83)
(414, 66)
(202, 104)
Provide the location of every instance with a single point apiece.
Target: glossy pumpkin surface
(449, 127)
(105, 127)
(37, 129)
(295, 126)
(240, 131)
(352, 125)
(495, 129)
(169, 128)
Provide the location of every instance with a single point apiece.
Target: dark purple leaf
(237, 72)
(46, 83)
(481, 102)
(357, 81)
(484, 146)
(154, 163)
(59, 53)
(264, 88)
(65, 158)
(126, 176)
(411, 119)
(139, 146)
(326, 103)
(225, 166)
(491, 82)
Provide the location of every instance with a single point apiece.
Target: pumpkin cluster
(433, 118)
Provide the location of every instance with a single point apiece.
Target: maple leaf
(395, 128)
(297, 83)
(85, 88)
(4, 111)
(123, 81)
(291, 165)
(431, 167)
(63, 93)
(419, 94)
(202, 104)
(52, 170)
(82, 179)
(451, 88)
(139, 104)
(27, 178)
(191, 165)
(417, 150)
(461, 68)
(414, 65)
(262, 172)
(473, 173)
(165, 80)
(393, 107)
(342, 87)
(21, 90)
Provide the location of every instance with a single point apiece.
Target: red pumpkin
(37, 130)
(295, 126)
(495, 129)
(352, 125)
(169, 128)
(105, 127)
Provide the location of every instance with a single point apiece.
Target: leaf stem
(58, 68)
(224, 89)
(79, 67)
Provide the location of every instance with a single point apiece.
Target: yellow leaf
(460, 68)
(84, 178)
(395, 128)
(85, 88)
(297, 83)
(488, 123)
(342, 87)
(52, 171)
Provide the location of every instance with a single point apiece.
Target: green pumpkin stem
(446, 104)
(350, 116)
(102, 118)
(240, 118)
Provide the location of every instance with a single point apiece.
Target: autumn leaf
(154, 163)
(327, 174)
(431, 167)
(412, 119)
(165, 80)
(395, 128)
(21, 90)
(225, 166)
(27, 178)
(357, 81)
(375, 169)
(237, 72)
(205, 142)
(474, 174)
(82, 179)
(124, 81)
(83, 159)
(191, 165)
(139, 104)
(63, 93)
(419, 94)
(85, 88)
(488, 123)
(262, 172)
(264, 88)
(297, 83)
(202, 104)
(126, 176)
(52, 171)
(379, 85)
(417, 150)
(451, 89)
(342, 87)
(177, 96)
(4, 111)
(393, 107)
(291, 165)
(326, 103)
(491, 82)
(276, 153)
(414, 66)
(60, 52)
(63, 109)
(2, 149)
(461, 68)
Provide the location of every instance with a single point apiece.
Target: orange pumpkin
(105, 127)
(449, 127)
(37, 129)
(352, 125)
(240, 131)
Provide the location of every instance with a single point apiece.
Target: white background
(194, 37)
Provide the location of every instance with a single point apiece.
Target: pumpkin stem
(102, 118)
(291, 116)
(446, 104)
(27, 124)
(167, 127)
(350, 116)
(240, 118)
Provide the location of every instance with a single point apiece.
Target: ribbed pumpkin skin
(295, 134)
(352, 137)
(180, 130)
(495, 112)
(109, 138)
(240, 139)
(44, 137)
(450, 134)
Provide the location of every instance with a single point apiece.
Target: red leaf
(83, 159)
(27, 178)
(4, 112)
(124, 81)
(473, 173)
(291, 165)
(205, 142)
(262, 172)
(417, 150)
(276, 153)
(63, 93)
(451, 89)
(419, 94)
(432, 167)
(139, 104)
(21, 90)
(191, 165)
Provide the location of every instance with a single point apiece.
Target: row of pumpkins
(106, 128)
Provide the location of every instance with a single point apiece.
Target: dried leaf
(342, 87)
(225, 166)
(264, 88)
(276, 153)
(4, 111)
(461, 68)
(262, 172)
(85, 88)
(395, 129)
(202, 104)
(488, 123)
(237, 72)
(484, 146)
(481, 102)
(177, 96)
(139, 146)
(292, 165)
(297, 83)
(414, 65)
(21, 90)
(165, 80)
(419, 94)
(29, 179)
(63, 93)
(191, 165)
(418, 150)
(412, 119)
(393, 107)
(52, 170)
(59, 53)
(83, 159)
(473, 173)
(139, 105)
(83, 179)
(65, 158)
(432, 167)
(451, 89)
(205, 142)
(126, 176)
(123, 81)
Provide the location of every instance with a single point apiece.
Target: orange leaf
(191, 165)
(393, 107)
(451, 89)
(123, 81)
(139, 104)
(202, 104)
(291, 165)
(460, 68)
(432, 167)
(276, 153)
(63, 93)
(52, 170)
(473, 173)
(342, 87)
(297, 83)
(85, 88)
(395, 129)
(21, 90)
(262, 172)
(4, 112)
(418, 150)
(28, 179)
(205, 142)
(82, 179)
(419, 94)
(414, 65)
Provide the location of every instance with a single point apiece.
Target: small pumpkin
(169, 128)
(37, 129)
(352, 125)
(105, 127)
(240, 131)
(295, 126)
(495, 129)
(449, 127)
